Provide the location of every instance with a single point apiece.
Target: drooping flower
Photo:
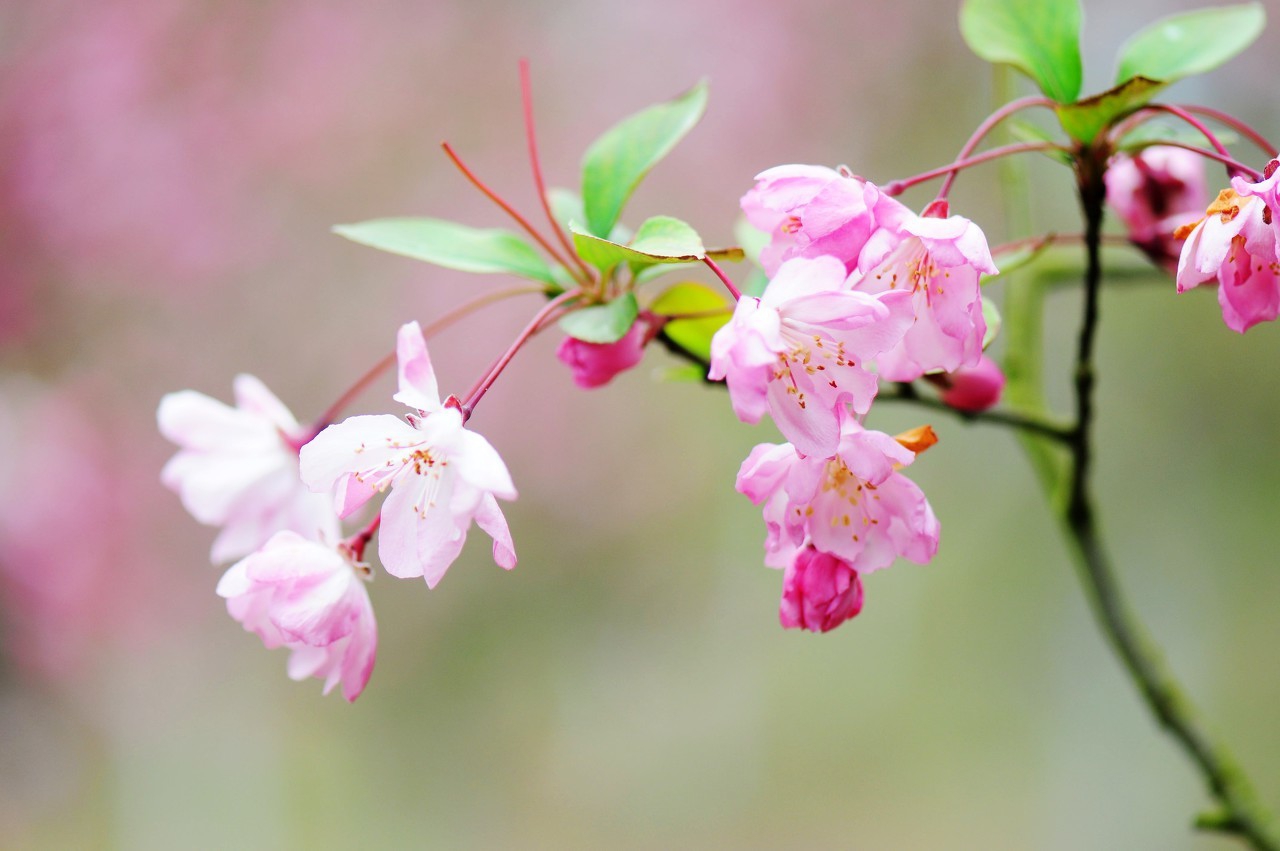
(809, 211)
(310, 597)
(1236, 242)
(596, 364)
(441, 475)
(801, 350)
(854, 505)
(238, 467)
(939, 261)
(819, 591)
(1155, 192)
(971, 388)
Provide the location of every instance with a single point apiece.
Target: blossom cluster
(861, 289)
(279, 492)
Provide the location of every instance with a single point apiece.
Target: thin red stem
(897, 187)
(362, 383)
(1233, 165)
(482, 386)
(1199, 125)
(506, 208)
(986, 127)
(1235, 124)
(526, 97)
(724, 279)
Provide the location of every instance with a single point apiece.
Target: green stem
(1240, 814)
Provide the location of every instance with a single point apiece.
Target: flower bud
(595, 364)
(972, 388)
(819, 592)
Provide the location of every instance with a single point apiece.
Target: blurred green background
(169, 171)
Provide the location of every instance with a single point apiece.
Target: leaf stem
(897, 187)
(536, 324)
(526, 99)
(1021, 420)
(724, 279)
(1244, 129)
(507, 208)
(986, 127)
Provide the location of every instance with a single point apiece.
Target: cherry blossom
(1155, 192)
(238, 467)
(441, 475)
(854, 505)
(310, 597)
(596, 364)
(801, 350)
(819, 591)
(809, 211)
(1236, 243)
(939, 261)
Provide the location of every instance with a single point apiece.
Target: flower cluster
(279, 492)
(861, 289)
(1238, 244)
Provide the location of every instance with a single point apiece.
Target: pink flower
(595, 364)
(1155, 192)
(971, 388)
(800, 351)
(238, 467)
(441, 475)
(853, 505)
(819, 592)
(809, 211)
(1236, 242)
(939, 261)
(309, 597)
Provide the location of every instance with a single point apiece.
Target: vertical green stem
(1241, 812)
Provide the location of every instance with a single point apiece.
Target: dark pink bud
(819, 592)
(595, 364)
(972, 388)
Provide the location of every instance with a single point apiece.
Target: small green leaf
(752, 238)
(1190, 43)
(1041, 38)
(566, 206)
(603, 323)
(1085, 119)
(687, 373)
(1011, 259)
(1025, 131)
(693, 335)
(660, 239)
(991, 314)
(452, 245)
(615, 164)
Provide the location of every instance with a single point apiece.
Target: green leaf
(1085, 119)
(1190, 43)
(991, 314)
(603, 323)
(615, 164)
(660, 239)
(1041, 38)
(687, 373)
(693, 335)
(452, 245)
(732, 254)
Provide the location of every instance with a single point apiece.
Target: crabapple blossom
(819, 591)
(238, 467)
(441, 475)
(854, 505)
(801, 350)
(596, 364)
(809, 211)
(939, 261)
(1236, 243)
(1155, 191)
(310, 597)
(971, 388)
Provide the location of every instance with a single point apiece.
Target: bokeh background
(169, 170)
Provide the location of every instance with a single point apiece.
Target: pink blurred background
(169, 170)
